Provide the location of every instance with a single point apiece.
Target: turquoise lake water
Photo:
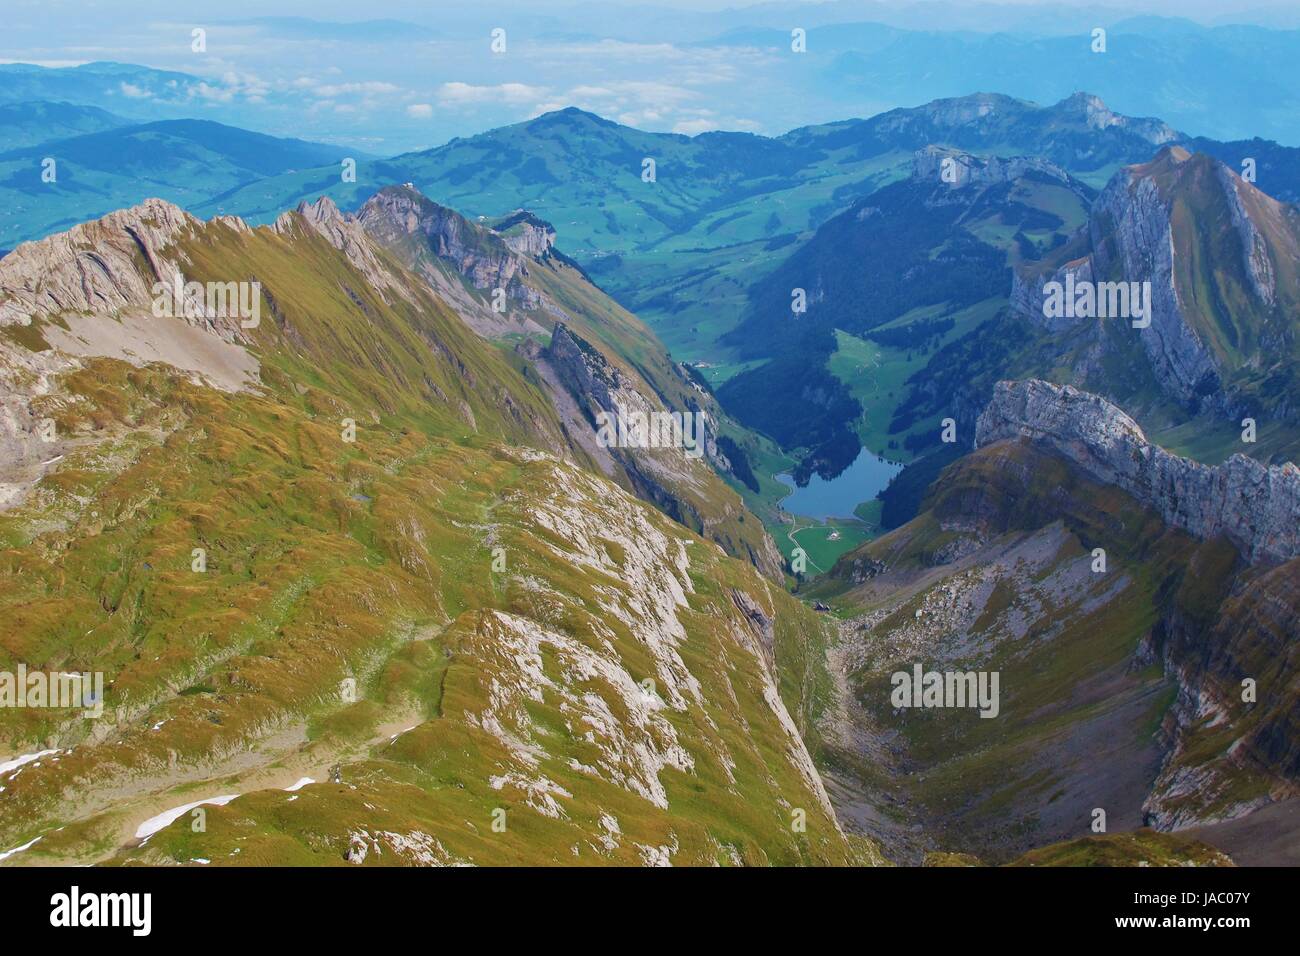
(861, 481)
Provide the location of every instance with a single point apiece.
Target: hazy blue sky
(675, 65)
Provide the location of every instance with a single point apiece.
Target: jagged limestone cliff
(676, 479)
(1256, 507)
(1223, 262)
(935, 164)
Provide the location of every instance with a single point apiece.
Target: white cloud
(619, 49)
(694, 126)
(369, 88)
(648, 99)
(134, 92)
(419, 111)
(216, 94)
(694, 122)
(512, 94)
(549, 106)
(247, 84)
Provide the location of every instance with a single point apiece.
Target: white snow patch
(19, 849)
(17, 762)
(168, 817)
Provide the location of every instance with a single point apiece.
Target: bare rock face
(1097, 115)
(401, 214)
(1220, 259)
(99, 281)
(25, 451)
(1254, 506)
(759, 621)
(119, 266)
(93, 267)
(1027, 294)
(928, 165)
(860, 568)
(608, 388)
(343, 233)
(1257, 261)
(1133, 240)
(433, 242)
(602, 388)
(525, 233)
(682, 485)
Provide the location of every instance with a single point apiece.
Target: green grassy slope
(1099, 670)
(33, 122)
(1141, 848)
(622, 690)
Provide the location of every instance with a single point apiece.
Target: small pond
(821, 499)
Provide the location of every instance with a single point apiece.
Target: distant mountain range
(26, 124)
(711, 192)
(184, 161)
(121, 88)
(1221, 80)
(1227, 81)
(707, 245)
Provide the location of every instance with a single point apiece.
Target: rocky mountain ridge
(94, 266)
(89, 292)
(1221, 259)
(960, 168)
(583, 373)
(113, 266)
(393, 505)
(1256, 507)
(398, 213)
(588, 388)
